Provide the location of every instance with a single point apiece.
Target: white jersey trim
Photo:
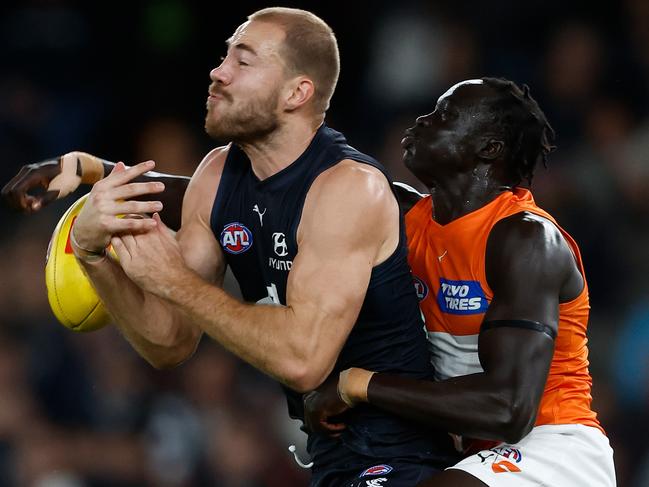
(453, 355)
(409, 188)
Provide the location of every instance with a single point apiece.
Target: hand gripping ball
(73, 300)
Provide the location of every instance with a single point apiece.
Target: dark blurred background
(130, 84)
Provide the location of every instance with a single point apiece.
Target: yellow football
(73, 300)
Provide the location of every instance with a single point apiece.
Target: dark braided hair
(527, 134)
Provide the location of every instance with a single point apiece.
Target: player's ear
(491, 148)
(299, 91)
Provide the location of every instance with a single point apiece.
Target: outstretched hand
(321, 408)
(16, 192)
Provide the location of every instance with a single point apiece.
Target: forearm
(271, 338)
(82, 168)
(160, 334)
(474, 405)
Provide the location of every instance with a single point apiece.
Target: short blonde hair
(310, 48)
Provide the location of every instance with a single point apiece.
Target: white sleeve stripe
(408, 188)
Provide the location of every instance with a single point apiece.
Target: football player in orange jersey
(503, 291)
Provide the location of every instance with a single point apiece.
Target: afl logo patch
(420, 288)
(509, 453)
(236, 238)
(377, 470)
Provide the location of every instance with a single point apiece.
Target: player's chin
(409, 159)
(212, 125)
(214, 111)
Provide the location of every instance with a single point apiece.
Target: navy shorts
(397, 473)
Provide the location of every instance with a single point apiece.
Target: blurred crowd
(82, 410)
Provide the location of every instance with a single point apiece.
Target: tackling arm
(529, 268)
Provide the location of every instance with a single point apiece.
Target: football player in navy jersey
(304, 220)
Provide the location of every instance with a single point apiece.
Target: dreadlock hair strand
(517, 117)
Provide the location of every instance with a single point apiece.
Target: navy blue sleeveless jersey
(256, 224)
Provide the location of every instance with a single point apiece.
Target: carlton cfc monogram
(279, 243)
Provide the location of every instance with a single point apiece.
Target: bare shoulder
(353, 181)
(205, 182)
(352, 195)
(526, 242)
(211, 166)
(526, 228)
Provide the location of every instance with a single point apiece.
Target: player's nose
(423, 120)
(221, 75)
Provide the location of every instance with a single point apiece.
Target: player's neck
(452, 199)
(281, 148)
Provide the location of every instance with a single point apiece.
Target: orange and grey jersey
(448, 263)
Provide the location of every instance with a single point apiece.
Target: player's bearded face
(240, 118)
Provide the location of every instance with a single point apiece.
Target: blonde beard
(254, 121)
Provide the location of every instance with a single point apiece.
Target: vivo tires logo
(461, 297)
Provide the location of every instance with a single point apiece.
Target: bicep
(345, 228)
(325, 292)
(516, 361)
(328, 283)
(516, 355)
(526, 265)
(199, 246)
(201, 251)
